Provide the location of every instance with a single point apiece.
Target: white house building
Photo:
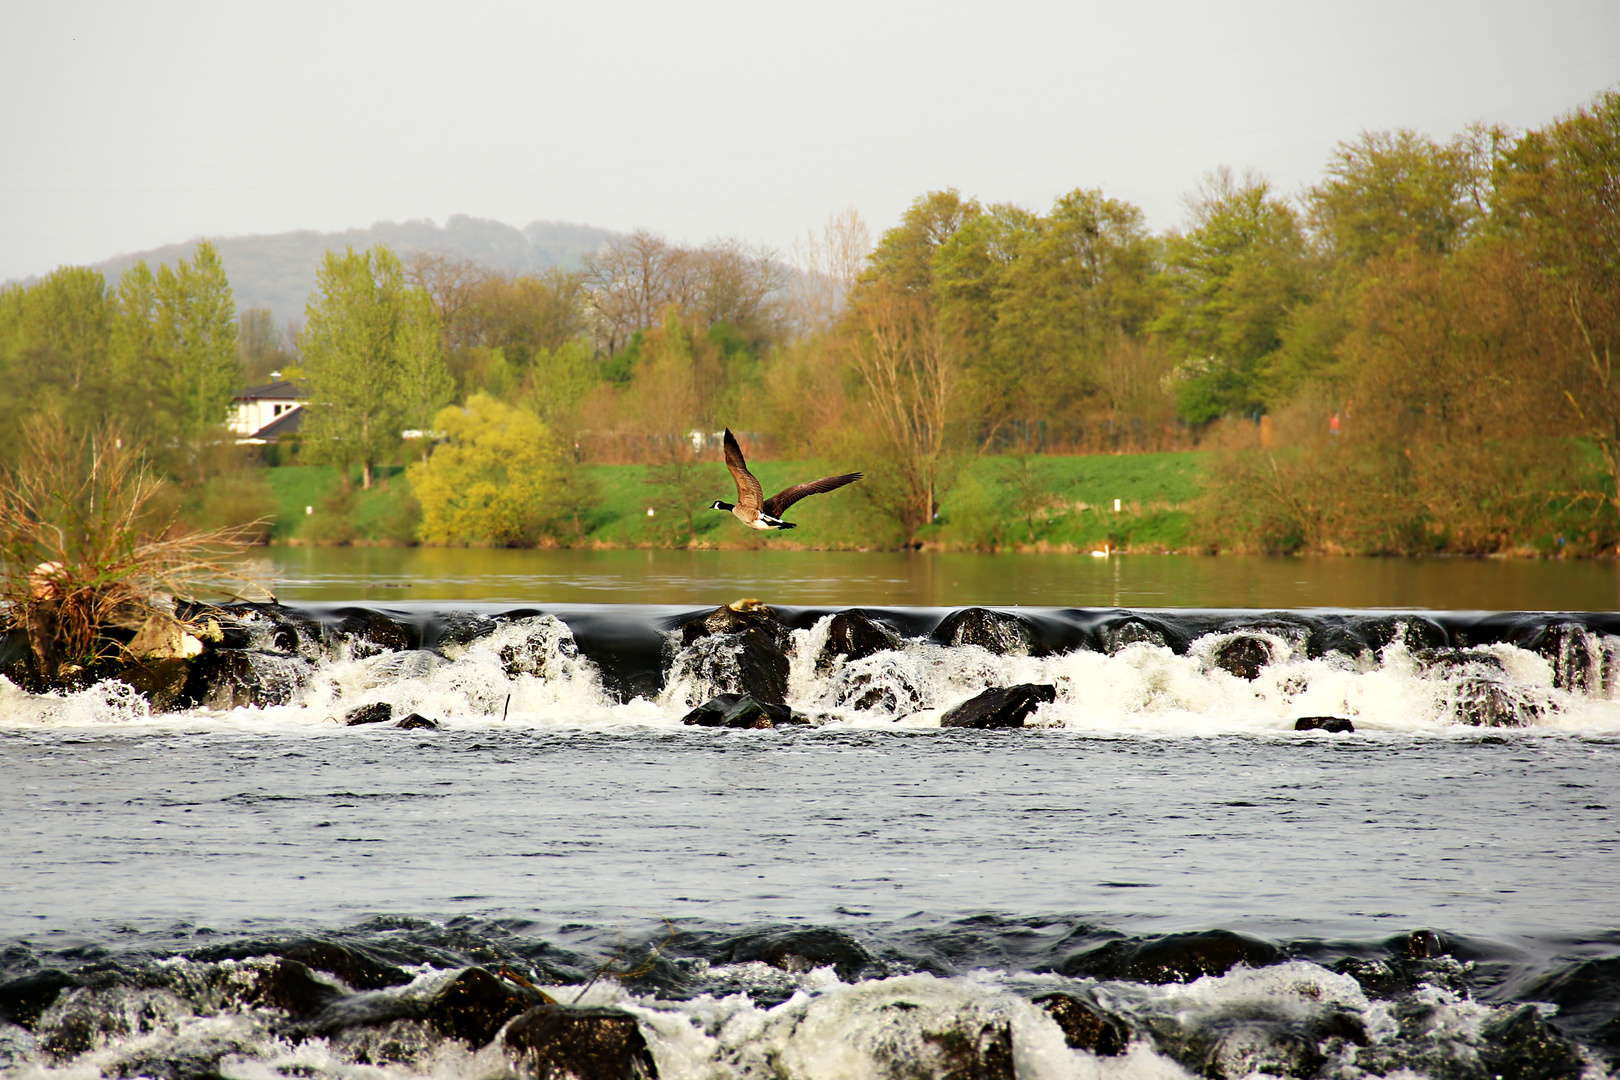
(262, 414)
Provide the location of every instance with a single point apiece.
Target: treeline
(1414, 354)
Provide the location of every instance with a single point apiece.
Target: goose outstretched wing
(777, 504)
(749, 494)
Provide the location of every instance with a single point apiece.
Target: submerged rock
(475, 1004)
(854, 635)
(231, 678)
(368, 632)
(1576, 654)
(418, 722)
(970, 1050)
(1000, 632)
(1173, 958)
(1412, 631)
(1522, 1045)
(1000, 707)
(1134, 630)
(23, 1000)
(739, 711)
(579, 1043)
(1323, 723)
(1086, 1025)
(1480, 701)
(799, 951)
(288, 986)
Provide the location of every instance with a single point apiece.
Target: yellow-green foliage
(495, 480)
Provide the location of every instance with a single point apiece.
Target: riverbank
(1136, 502)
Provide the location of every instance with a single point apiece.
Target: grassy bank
(1058, 503)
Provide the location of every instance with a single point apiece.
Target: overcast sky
(129, 125)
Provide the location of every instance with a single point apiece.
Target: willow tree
(372, 354)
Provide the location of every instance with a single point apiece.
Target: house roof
(282, 390)
(287, 423)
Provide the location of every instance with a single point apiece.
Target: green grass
(1071, 501)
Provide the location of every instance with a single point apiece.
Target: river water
(846, 896)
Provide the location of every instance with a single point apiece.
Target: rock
(457, 628)
(854, 635)
(1575, 653)
(970, 1051)
(370, 632)
(1244, 655)
(739, 711)
(475, 1004)
(1418, 945)
(739, 651)
(1085, 1025)
(1587, 995)
(885, 688)
(23, 1000)
(1323, 723)
(235, 678)
(417, 722)
(378, 712)
(1449, 660)
(1000, 707)
(547, 645)
(1246, 1048)
(290, 987)
(579, 1043)
(161, 682)
(1412, 631)
(1481, 701)
(998, 631)
(1523, 1046)
(1173, 958)
(358, 970)
(1131, 631)
(799, 951)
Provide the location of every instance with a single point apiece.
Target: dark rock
(886, 688)
(1449, 660)
(417, 722)
(738, 711)
(1000, 632)
(369, 632)
(1523, 1046)
(1486, 702)
(229, 679)
(1173, 958)
(1418, 945)
(355, 968)
(1575, 653)
(450, 628)
(579, 1043)
(23, 1000)
(1115, 636)
(548, 641)
(1000, 707)
(739, 651)
(475, 1004)
(1246, 1048)
(1414, 631)
(799, 951)
(1244, 655)
(161, 682)
(970, 1051)
(1323, 723)
(854, 635)
(378, 712)
(290, 987)
(1587, 995)
(1085, 1025)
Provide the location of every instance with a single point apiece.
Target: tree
(260, 346)
(196, 338)
(828, 264)
(1233, 277)
(370, 347)
(496, 479)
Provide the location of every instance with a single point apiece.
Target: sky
(128, 126)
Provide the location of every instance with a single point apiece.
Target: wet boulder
(1173, 958)
(1000, 707)
(369, 632)
(236, 678)
(1575, 653)
(1243, 1047)
(23, 1000)
(739, 711)
(161, 682)
(799, 951)
(355, 968)
(739, 650)
(1086, 1025)
(1524, 1046)
(287, 986)
(1118, 634)
(972, 1049)
(1335, 724)
(545, 647)
(579, 1043)
(475, 1005)
(1587, 995)
(854, 635)
(1412, 631)
(1480, 701)
(456, 628)
(377, 712)
(1243, 655)
(1000, 632)
(418, 722)
(882, 688)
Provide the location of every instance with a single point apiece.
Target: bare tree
(828, 262)
(628, 284)
(452, 282)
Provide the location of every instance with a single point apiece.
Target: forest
(1413, 355)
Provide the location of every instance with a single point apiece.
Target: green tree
(196, 338)
(370, 349)
(1233, 278)
(497, 479)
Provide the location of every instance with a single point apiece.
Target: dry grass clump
(93, 556)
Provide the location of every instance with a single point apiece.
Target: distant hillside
(278, 271)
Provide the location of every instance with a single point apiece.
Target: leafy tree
(196, 338)
(260, 346)
(1233, 277)
(370, 347)
(497, 478)
(904, 256)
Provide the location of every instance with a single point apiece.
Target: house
(262, 414)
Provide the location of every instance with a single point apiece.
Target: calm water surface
(927, 579)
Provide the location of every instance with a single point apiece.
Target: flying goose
(753, 508)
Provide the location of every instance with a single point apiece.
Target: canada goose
(753, 508)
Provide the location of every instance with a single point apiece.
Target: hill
(277, 271)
